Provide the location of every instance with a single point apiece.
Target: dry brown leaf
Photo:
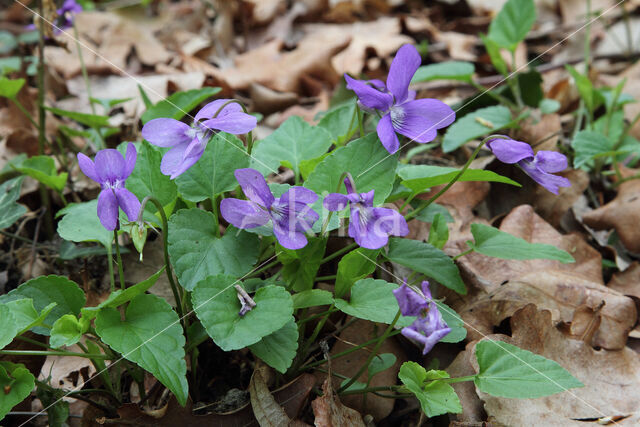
(283, 71)
(264, 405)
(575, 11)
(472, 410)
(554, 207)
(67, 372)
(460, 46)
(358, 333)
(152, 262)
(382, 36)
(330, 412)
(627, 282)
(561, 293)
(264, 11)
(611, 378)
(622, 214)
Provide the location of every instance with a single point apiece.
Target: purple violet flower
(539, 167)
(417, 119)
(65, 17)
(111, 170)
(369, 226)
(188, 142)
(429, 327)
(291, 213)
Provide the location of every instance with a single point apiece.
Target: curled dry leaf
(627, 282)
(282, 70)
(66, 372)
(611, 378)
(330, 412)
(600, 316)
(382, 35)
(622, 214)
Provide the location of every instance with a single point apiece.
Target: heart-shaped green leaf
(217, 306)
(196, 252)
(150, 336)
(16, 383)
(279, 348)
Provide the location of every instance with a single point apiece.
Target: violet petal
(387, 134)
(128, 202)
(370, 97)
(335, 202)
(402, 69)
(110, 165)
(509, 150)
(254, 186)
(420, 120)
(235, 123)
(87, 167)
(108, 209)
(243, 213)
(165, 132)
(130, 160)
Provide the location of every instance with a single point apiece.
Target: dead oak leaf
(622, 214)
(602, 316)
(611, 378)
(330, 412)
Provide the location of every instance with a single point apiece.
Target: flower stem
(360, 120)
(51, 353)
(461, 254)
(326, 222)
(419, 209)
(24, 111)
(112, 278)
(249, 142)
(165, 242)
(119, 260)
(457, 380)
(373, 353)
(338, 253)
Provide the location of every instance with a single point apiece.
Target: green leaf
(340, 123)
(108, 103)
(549, 106)
(509, 371)
(451, 70)
(436, 397)
(354, 266)
(10, 211)
(67, 330)
(8, 42)
(371, 166)
(301, 266)
(9, 88)
(43, 169)
(295, 140)
(80, 223)
(371, 299)
(493, 50)
(585, 87)
(454, 321)
(147, 180)
(513, 23)
(150, 336)
(381, 363)
(439, 232)
(45, 290)
(476, 124)
(9, 329)
(25, 314)
(216, 304)
(278, 349)
(179, 104)
(91, 120)
(498, 244)
(213, 173)
(312, 298)
(196, 252)
(16, 383)
(119, 297)
(419, 178)
(429, 213)
(428, 260)
(588, 145)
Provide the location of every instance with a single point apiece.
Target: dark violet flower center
(277, 212)
(113, 184)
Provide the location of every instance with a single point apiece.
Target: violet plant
(243, 253)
